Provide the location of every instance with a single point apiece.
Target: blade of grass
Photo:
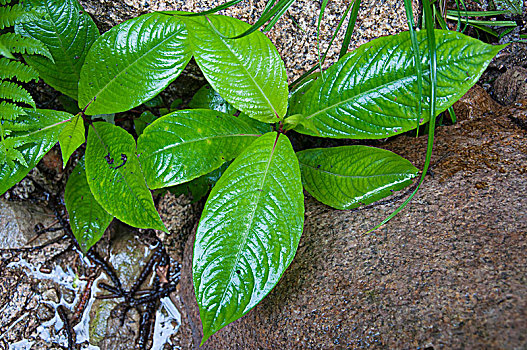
(417, 57)
(204, 13)
(350, 28)
(457, 12)
(429, 23)
(486, 23)
(452, 114)
(278, 9)
(320, 16)
(300, 79)
(270, 12)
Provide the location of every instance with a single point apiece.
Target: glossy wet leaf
(88, 220)
(200, 186)
(248, 72)
(186, 144)
(372, 92)
(132, 62)
(35, 134)
(71, 137)
(115, 177)
(248, 233)
(68, 32)
(208, 98)
(348, 176)
(143, 121)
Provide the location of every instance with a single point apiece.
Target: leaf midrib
(377, 87)
(256, 200)
(245, 69)
(350, 176)
(159, 150)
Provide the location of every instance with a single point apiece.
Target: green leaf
(295, 120)
(208, 98)
(200, 186)
(115, 177)
(186, 144)
(348, 176)
(143, 121)
(9, 153)
(37, 132)
(16, 43)
(9, 111)
(248, 72)
(371, 93)
(11, 15)
(68, 32)
(132, 62)
(248, 233)
(71, 137)
(14, 92)
(88, 220)
(10, 69)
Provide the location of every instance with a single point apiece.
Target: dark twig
(67, 327)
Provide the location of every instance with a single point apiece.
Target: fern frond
(14, 92)
(11, 15)
(16, 43)
(4, 51)
(14, 69)
(9, 111)
(9, 153)
(4, 2)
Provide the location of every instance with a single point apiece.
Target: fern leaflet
(11, 15)
(14, 69)
(9, 111)
(16, 43)
(14, 92)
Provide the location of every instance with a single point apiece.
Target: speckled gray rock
(294, 35)
(18, 221)
(446, 273)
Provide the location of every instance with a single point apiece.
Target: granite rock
(447, 272)
(294, 34)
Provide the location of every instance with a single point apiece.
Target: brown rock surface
(448, 272)
(511, 85)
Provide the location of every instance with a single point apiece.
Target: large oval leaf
(115, 177)
(68, 32)
(88, 220)
(372, 93)
(348, 176)
(248, 233)
(133, 62)
(35, 134)
(248, 72)
(186, 144)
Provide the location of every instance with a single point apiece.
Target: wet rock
(511, 86)
(447, 272)
(18, 221)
